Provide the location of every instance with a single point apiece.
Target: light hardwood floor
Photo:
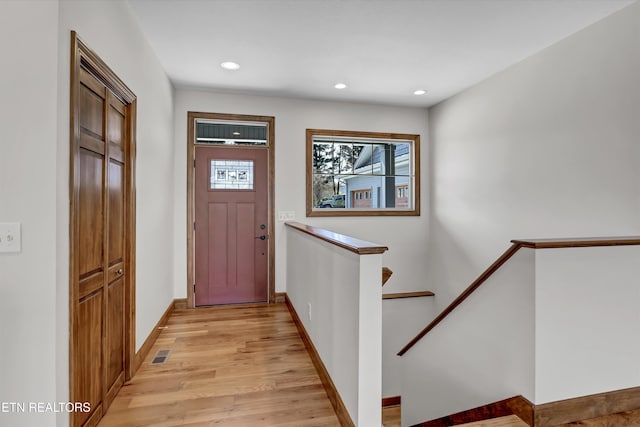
(229, 366)
(241, 366)
(391, 418)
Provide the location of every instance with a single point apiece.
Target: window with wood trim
(362, 173)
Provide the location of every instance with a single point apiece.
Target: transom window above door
(362, 173)
(230, 133)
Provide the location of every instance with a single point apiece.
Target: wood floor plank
(391, 416)
(228, 366)
(508, 421)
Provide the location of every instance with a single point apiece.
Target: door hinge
(194, 288)
(194, 225)
(194, 163)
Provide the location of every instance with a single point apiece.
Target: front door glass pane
(231, 175)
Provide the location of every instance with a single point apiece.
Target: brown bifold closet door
(100, 240)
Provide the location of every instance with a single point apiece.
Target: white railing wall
(337, 295)
(482, 352)
(550, 324)
(587, 321)
(401, 318)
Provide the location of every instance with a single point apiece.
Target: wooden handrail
(516, 245)
(463, 296)
(360, 247)
(578, 242)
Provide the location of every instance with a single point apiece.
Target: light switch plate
(10, 238)
(286, 215)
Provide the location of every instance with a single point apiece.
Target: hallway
(231, 366)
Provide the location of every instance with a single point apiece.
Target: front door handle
(263, 237)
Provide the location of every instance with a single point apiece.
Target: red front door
(231, 247)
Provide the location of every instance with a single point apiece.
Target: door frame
(83, 56)
(191, 145)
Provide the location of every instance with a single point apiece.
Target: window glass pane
(323, 158)
(344, 158)
(402, 197)
(402, 160)
(363, 159)
(339, 168)
(231, 175)
(379, 159)
(211, 132)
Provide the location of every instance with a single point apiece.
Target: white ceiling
(382, 49)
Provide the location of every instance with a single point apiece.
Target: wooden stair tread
(416, 294)
(621, 419)
(508, 421)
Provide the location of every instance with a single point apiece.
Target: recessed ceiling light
(229, 65)
(236, 133)
(420, 92)
(340, 86)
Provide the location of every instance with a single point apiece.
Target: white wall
(28, 43)
(370, 341)
(337, 295)
(482, 352)
(332, 324)
(34, 186)
(405, 236)
(111, 30)
(402, 319)
(547, 148)
(587, 321)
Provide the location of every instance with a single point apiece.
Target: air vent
(160, 357)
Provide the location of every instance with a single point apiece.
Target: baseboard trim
(517, 405)
(151, 339)
(180, 304)
(586, 407)
(548, 414)
(280, 297)
(325, 378)
(391, 401)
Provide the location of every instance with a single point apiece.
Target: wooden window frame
(414, 140)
